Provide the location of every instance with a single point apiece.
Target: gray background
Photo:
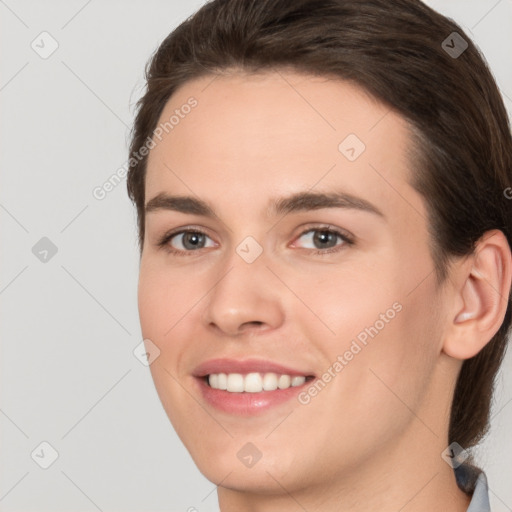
(70, 324)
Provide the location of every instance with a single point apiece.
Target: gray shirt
(473, 481)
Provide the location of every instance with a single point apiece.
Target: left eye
(324, 238)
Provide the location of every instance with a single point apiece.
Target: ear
(480, 296)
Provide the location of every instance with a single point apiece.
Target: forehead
(250, 137)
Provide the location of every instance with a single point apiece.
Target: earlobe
(484, 294)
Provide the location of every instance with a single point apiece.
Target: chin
(238, 464)
(260, 479)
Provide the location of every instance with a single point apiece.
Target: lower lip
(247, 404)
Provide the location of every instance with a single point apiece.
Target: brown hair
(399, 52)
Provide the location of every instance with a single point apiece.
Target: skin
(372, 438)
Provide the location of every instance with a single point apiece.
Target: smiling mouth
(254, 382)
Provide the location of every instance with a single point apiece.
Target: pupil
(192, 238)
(325, 236)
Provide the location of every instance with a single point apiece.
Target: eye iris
(325, 236)
(195, 239)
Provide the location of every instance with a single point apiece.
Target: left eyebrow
(298, 202)
(304, 201)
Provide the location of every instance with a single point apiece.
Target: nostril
(255, 323)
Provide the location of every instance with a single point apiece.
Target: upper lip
(245, 366)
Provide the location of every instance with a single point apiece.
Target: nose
(245, 299)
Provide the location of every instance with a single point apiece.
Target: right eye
(185, 241)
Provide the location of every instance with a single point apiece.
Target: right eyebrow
(183, 204)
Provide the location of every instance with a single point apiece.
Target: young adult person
(325, 231)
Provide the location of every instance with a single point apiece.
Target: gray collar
(472, 480)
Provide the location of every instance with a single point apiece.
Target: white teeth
(284, 382)
(214, 381)
(253, 382)
(235, 382)
(270, 381)
(298, 381)
(222, 381)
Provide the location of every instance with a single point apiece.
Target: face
(300, 261)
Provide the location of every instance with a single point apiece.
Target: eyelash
(347, 240)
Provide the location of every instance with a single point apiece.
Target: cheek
(165, 304)
(165, 300)
(394, 368)
(164, 297)
(353, 305)
(385, 340)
